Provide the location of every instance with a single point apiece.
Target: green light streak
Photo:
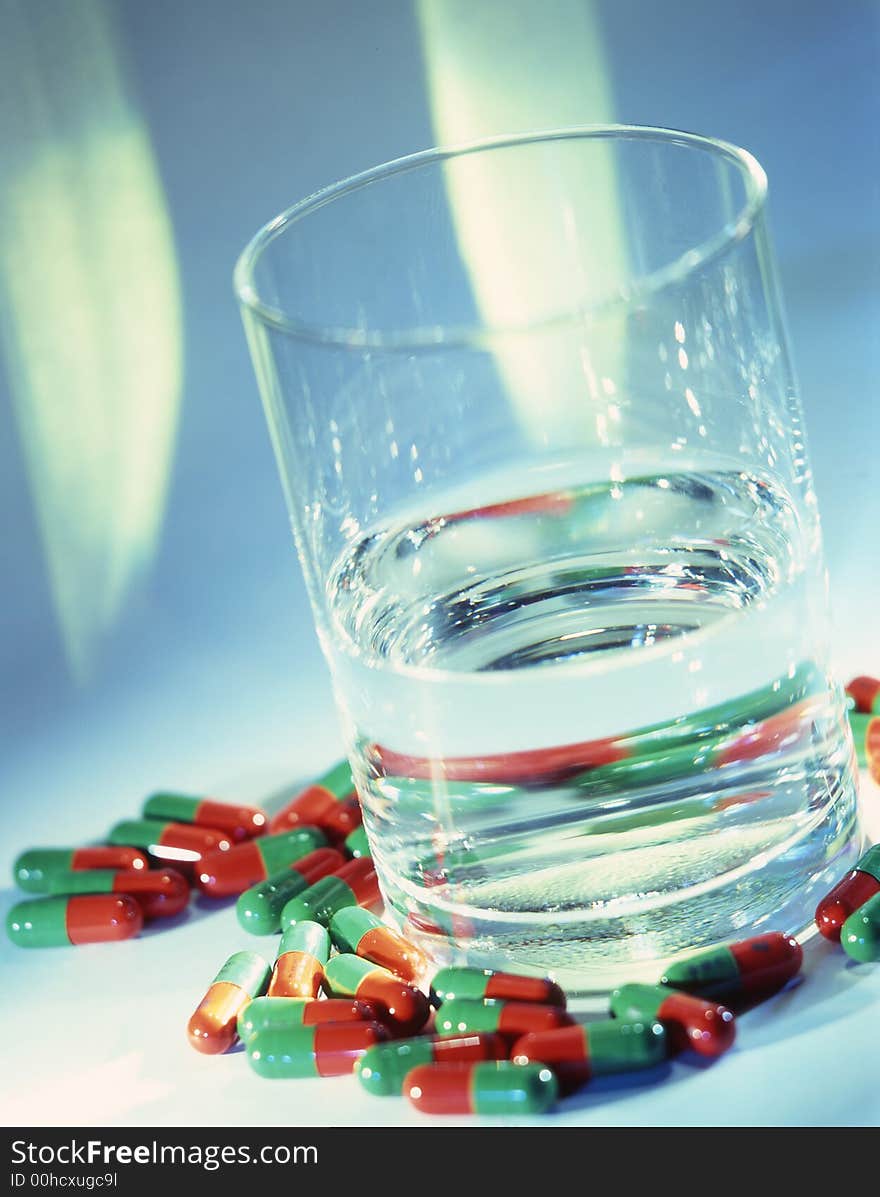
(90, 310)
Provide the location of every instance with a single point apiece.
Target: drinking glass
(545, 462)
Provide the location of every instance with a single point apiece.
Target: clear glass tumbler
(544, 457)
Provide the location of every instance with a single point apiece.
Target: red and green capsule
(302, 954)
(549, 503)
(578, 1053)
(238, 822)
(848, 895)
(866, 738)
(489, 1087)
(213, 1026)
(330, 803)
(705, 1027)
(181, 845)
(160, 893)
(355, 884)
(259, 908)
(400, 1004)
(750, 968)
(227, 874)
(475, 984)
(656, 762)
(658, 752)
(383, 1069)
(462, 1016)
(541, 765)
(860, 935)
(354, 929)
(356, 844)
(61, 921)
(282, 1013)
(329, 1049)
(32, 870)
(865, 693)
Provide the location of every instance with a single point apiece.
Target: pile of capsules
(348, 993)
(499, 1043)
(148, 868)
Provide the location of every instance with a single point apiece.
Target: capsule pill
(238, 822)
(705, 1027)
(476, 984)
(578, 1053)
(848, 895)
(355, 884)
(354, 929)
(356, 843)
(865, 692)
(490, 1087)
(302, 954)
(280, 1013)
(228, 874)
(32, 869)
(60, 921)
(160, 893)
(213, 1026)
(383, 1069)
(860, 935)
(180, 845)
(460, 1016)
(329, 1049)
(259, 908)
(329, 803)
(866, 739)
(403, 1006)
(750, 968)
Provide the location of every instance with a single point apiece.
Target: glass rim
(439, 337)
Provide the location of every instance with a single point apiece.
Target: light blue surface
(212, 681)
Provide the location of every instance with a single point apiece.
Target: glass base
(593, 952)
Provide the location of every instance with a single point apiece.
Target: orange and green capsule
(32, 870)
(578, 1053)
(355, 884)
(750, 968)
(330, 803)
(160, 893)
(280, 1013)
(490, 1087)
(703, 1026)
(461, 1016)
(356, 843)
(227, 874)
(213, 1026)
(329, 1049)
(866, 737)
(354, 929)
(865, 692)
(239, 822)
(850, 894)
(475, 984)
(860, 936)
(179, 844)
(401, 1004)
(383, 1069)
(60, 921)
(259, 908)
(302, 954)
